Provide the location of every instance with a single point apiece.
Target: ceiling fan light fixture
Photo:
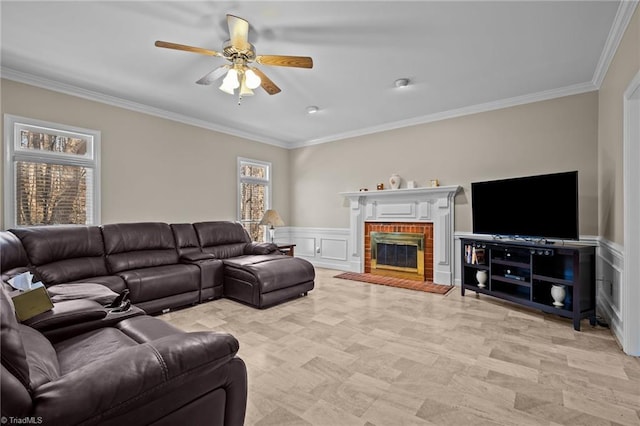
(230, 82)
(251, 79)
(239, 52)
(226, 89)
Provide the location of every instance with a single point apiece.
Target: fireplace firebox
(398, 254)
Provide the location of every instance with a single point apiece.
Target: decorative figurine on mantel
(394, 181)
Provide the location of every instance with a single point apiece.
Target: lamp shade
(272, 219)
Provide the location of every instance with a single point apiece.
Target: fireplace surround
(416, 205)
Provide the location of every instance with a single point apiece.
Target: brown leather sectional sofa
(82, 363)
(165, 266)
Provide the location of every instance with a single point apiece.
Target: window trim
(241, 179)
(12, 154)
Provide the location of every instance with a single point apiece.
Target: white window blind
(51, 174)
(254, 185)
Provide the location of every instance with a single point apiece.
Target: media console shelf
(525, 273)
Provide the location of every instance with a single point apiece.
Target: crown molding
(620, 23)
(49, 84)
(454, 113)
(67, 89)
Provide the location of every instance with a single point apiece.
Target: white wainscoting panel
(305, 246)
(334, 249)
(609, 272)
(323, 247)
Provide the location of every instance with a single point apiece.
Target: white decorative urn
(481, 276)
(394, 181)
(558, 293)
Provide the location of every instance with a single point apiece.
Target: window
(254, 195)
(52, 174)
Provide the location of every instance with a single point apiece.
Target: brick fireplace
(426, 229)
(427, 210)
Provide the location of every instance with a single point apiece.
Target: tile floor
(353, 353)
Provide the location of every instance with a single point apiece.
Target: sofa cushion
(161, 281)
(220, 233)
(112, 282)
(41, 357)
(186, 239)
(64, 253)
(14, 259)
(138, 245)
(270, 272)
(89, 347)
(226, 251)
(13, 355)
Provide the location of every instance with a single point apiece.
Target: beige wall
(542, 137)
(625, 65)
(155, 169)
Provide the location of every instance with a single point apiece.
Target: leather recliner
(140, 371)
(144, 255)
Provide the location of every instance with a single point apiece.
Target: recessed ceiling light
(401, 82)
(312, 109)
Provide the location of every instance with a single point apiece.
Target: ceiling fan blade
(266, 83)
(184, 47)
(214, 75)
(238, 32)
(285, 61)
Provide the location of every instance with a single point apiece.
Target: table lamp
(271, 219)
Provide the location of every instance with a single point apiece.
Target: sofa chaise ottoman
(256, 274)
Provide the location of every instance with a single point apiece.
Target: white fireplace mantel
(435, 205)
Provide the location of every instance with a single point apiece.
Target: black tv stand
(524, 272)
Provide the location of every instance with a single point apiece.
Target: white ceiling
(461, 57)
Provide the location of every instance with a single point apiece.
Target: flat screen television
(531, 207)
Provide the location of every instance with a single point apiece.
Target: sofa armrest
(260, 248)
(196, 257)
(66, 313)
(163, 374)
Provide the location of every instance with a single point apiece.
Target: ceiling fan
(241, 54)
